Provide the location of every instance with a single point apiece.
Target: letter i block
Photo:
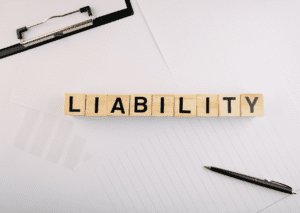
(96, 105)
(252, 105)
(229, 106)
(208, 105)
(163, 105)
(185, 105)
(74, 104)
(118, 105)
(140, 105)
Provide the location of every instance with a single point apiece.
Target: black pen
(261, 182)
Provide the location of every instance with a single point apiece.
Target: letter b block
(252, 105)
(140, 105)
(74, 104)
(229, 106)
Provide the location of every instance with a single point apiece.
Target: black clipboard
(101, 20)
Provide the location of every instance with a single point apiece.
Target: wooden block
(163, 105)
(118, 105)
(140, 105)
(252, 105)
(229, 106)
(74, 104)
(96, 105)
(185, 105)
(208, 105)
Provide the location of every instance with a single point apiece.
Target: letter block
(185, 105)
(208, 105)
(96, 105)
(229, 106)
(140, 105)
(74, 104)
(163, 105)
(252, 105)
(118, 105)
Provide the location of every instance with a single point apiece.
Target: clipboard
(98, 21)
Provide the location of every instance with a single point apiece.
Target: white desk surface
(40, 147)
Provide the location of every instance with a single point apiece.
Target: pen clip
(280, 184)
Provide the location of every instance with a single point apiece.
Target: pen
(261, 182)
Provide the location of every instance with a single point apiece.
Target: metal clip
(56, 33)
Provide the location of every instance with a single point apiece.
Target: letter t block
(229, 106)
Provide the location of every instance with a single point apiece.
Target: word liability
(164, 105)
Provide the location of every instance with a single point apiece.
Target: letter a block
(96, 105)
(163, 105)
(229, 106)
(208, 105)
(74, 104)
(140, 105)
(252, 105)
(118, 105)
(185, 105)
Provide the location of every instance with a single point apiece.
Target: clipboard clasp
(22, 30)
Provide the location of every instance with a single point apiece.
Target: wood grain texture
(188, 108)
(168, 105)
(139, 108)
(111, 102)
(162, 105)
(96, 109)
(213, 105)
(77, 100)
(229, 108)
(252, 105)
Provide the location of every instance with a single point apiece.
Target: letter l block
(74, 104)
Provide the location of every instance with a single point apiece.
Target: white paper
(165, 172)
(210, 47)
(286, 204)
(117, 58)
(120, 57)
(31, 183)
(213, 46)
(130, 64)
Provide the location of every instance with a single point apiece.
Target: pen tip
(294, 192)
(208, 167)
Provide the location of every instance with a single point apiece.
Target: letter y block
(252, 105)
